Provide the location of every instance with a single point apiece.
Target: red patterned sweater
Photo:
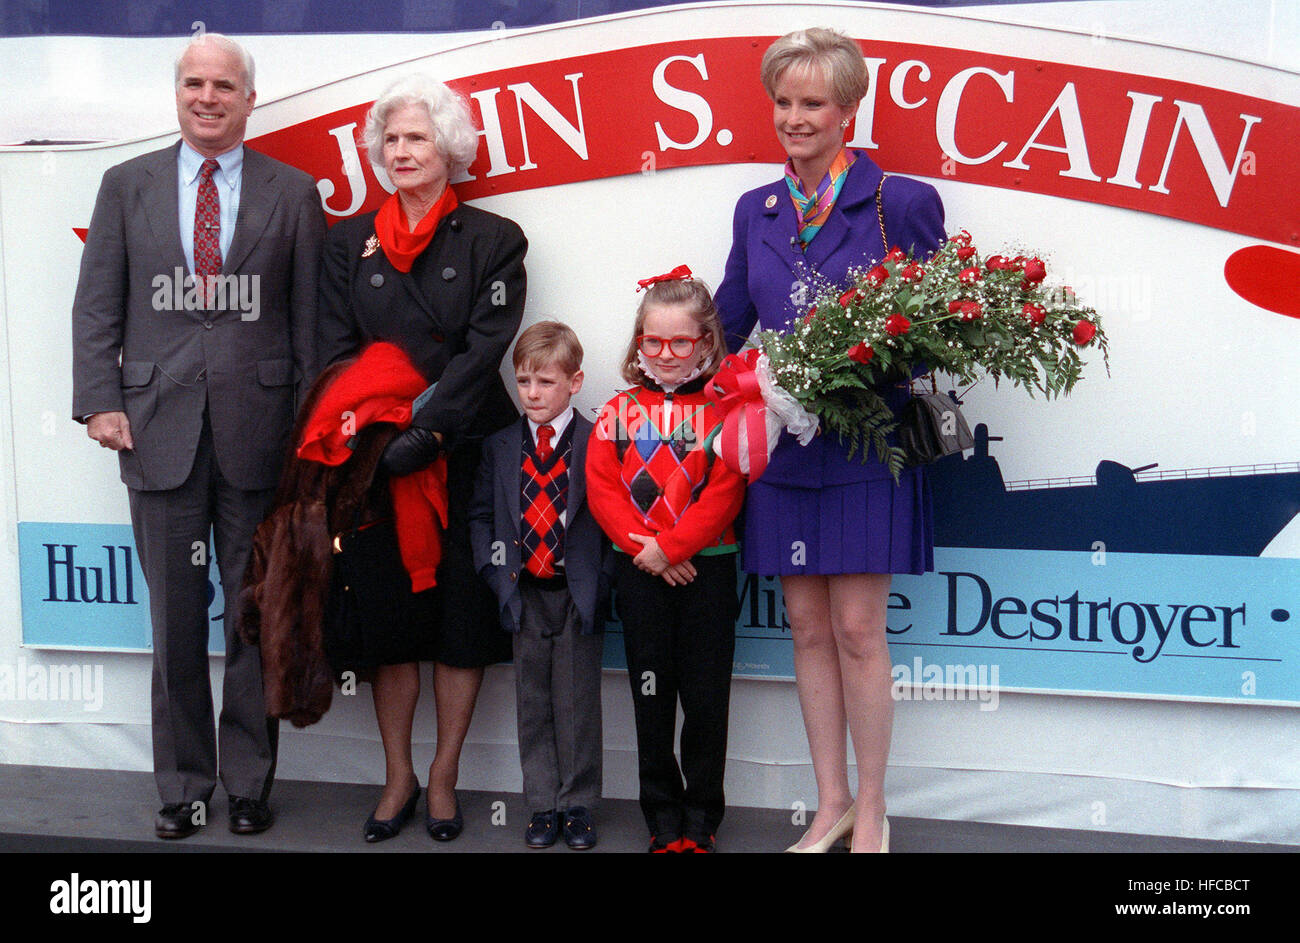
(651, 471)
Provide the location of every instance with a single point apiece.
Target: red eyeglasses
(681, 346)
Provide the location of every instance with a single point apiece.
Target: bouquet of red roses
(956, 313)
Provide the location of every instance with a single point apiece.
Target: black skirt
(374, 618)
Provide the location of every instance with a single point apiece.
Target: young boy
(538, 547)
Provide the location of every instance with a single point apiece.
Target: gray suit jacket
(494, 515)
(248, 364)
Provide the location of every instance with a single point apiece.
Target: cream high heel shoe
(841, 829)
(884, 835)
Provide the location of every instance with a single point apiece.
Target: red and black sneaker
(662, 846)
(690, 846)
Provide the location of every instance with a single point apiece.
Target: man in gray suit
(193, 338)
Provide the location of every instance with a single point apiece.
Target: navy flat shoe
(377, 830)
(444, 829)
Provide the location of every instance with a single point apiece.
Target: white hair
(454, 134)
(229, 45)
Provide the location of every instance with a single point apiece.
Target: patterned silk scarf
(815, 209)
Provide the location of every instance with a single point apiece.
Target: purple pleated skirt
(864, 527)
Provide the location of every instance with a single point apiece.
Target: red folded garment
(379, 387)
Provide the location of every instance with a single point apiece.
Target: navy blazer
(769, 281)
(494, 519)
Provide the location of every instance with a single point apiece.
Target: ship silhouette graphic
(1228, 510)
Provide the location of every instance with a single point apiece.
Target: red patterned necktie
(545, 482)
(544, 448)
(207, 230)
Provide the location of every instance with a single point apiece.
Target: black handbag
(930, 425)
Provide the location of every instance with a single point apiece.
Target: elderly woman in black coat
(445, 282)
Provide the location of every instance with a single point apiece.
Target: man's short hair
(548, 342)
(228, 44)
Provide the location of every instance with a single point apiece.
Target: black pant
(680, 642)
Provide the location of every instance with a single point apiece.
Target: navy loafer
(543, 829)
(579, 832)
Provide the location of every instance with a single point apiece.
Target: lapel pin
(771, 201)
(371, 247)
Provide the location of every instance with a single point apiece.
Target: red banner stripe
(1190, 152)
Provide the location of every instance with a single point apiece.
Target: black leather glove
(410, 451)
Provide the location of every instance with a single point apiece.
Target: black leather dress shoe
(543, 829)
(249, 816)
(175, 821)
(384, 829)
(579, 832)
(444, 829)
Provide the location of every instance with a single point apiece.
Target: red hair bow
(679, 274)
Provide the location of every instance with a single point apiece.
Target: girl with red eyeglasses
(656, 488)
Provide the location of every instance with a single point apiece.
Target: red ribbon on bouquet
(735, 389)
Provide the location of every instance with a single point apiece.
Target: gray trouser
(172, 533)
(557, 689)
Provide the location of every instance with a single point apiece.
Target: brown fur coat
(286, 586)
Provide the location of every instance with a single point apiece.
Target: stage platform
(57, 809)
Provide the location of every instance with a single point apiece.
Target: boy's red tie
(545, 486)
(544, 448)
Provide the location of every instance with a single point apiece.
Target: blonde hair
(546, 343)
(837, 56)
(691, 292)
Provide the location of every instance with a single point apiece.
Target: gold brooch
(771, 201)
(371, 247)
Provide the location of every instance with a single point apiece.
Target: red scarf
(401, 243)
(379, 387)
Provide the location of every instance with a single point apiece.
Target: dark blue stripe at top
(246, 17)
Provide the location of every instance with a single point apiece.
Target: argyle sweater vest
(655, 471)
(544, 490)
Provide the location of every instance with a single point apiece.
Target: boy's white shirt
(559, 424)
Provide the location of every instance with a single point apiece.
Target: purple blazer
(765, 272)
